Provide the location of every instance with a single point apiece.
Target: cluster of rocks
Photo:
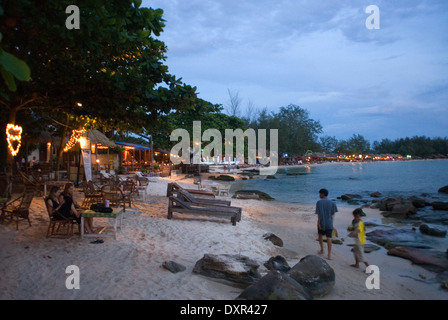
(309, 279)
(401, 208)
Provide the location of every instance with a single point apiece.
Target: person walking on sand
(325, 209)
(358, 232)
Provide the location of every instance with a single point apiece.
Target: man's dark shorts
(326, 232)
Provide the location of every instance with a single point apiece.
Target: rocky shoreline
(413, 228)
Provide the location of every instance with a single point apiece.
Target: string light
(76, 136)
(13, 133)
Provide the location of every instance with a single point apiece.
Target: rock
(444, 189)
(403, 209)
(252, 194)
(275, 286)
(237, 269)
(387, 204)
(417, 202)
(375, 194)
(274, 239)
(277, 263)
(398, 238)
(315, 274)
(174, 267)
(368, 247)
(222, 177)
(425, 229)
(350, 196)
(438, 205)
(431, 260)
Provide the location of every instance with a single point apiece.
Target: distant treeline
(416, 146)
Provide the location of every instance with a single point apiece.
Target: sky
(390, 82)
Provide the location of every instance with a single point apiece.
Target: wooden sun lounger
(179, 206)
(173, 187)
(190, 198)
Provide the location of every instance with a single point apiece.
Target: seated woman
(52, 203)
(68, 208)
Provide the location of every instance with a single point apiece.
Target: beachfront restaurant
(135, 156)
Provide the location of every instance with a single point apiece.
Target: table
(116, 214)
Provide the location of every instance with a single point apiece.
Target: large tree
(110, 69)
(297, 132)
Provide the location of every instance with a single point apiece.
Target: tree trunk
(61, 147)
(9, 158)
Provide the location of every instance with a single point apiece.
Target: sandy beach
(130, 267)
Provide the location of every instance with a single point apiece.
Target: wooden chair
(114, 195)
(19, 208)
(57, 222)
(91, 194)
(30, 182)
(128, 191)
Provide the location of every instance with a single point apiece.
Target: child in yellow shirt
(359, 233)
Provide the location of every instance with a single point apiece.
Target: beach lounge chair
(190, 198)
(179, 206)
(19, 208)
(173, 187)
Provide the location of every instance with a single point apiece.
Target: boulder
(237, 269)
(274, 239)
(375, 194)
(425, 229)
(350, 196)
(418, 202)
(275, 286)
(277, 263)
(174, 267)
(315, 274)
(387, 204)
(398, 238)
(444, 189)
(438, 205)
(432, 260)
(252, 194)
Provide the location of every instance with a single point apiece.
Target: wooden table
(116, 214)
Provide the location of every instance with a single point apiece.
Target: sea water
(390, 178)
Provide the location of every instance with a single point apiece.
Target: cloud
(319, 55)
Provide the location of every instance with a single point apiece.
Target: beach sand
(130, 267)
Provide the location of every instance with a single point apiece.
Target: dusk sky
(390, 82)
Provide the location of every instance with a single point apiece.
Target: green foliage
(12, 68)
(296, 131)
(418, 146)
(113, 64)
(208, 114)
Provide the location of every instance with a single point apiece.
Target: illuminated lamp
(13, 133)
